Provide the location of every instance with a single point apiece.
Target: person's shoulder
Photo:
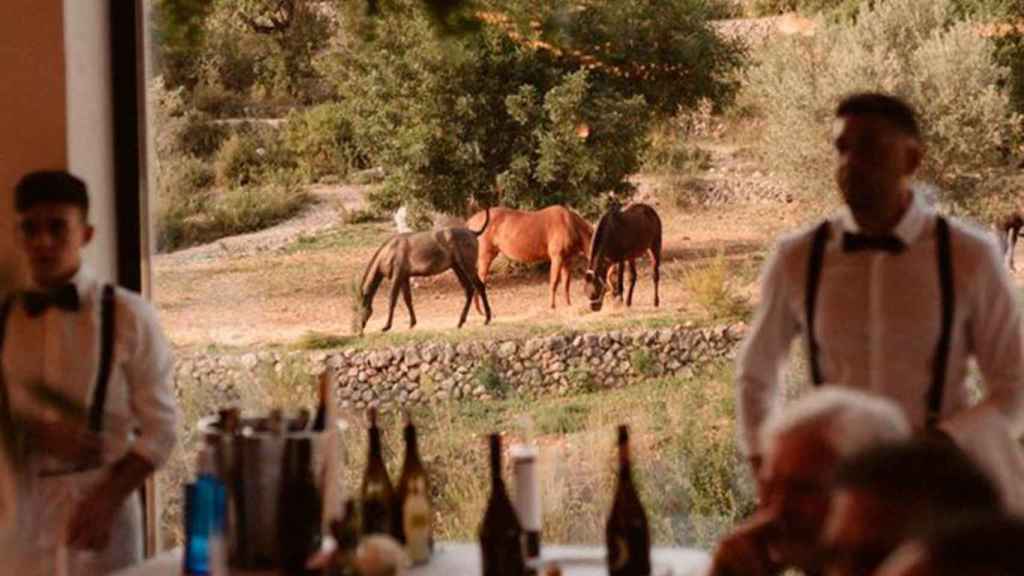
(135, 315)
(971, 239)
(797, 243)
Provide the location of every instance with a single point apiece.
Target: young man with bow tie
(889, 297)
(95, 347)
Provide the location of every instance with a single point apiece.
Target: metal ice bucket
(249, 463)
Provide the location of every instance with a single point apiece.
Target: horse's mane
(599, 233)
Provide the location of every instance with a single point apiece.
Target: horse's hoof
(385, 329)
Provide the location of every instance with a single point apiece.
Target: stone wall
(554, 365)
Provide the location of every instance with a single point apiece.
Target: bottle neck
(496, 462)
(625, 464)
(375, 446)
(412, 450)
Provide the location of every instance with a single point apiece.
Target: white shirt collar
(910, 226)
(84, 279)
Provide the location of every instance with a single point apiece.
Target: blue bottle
(204, 518)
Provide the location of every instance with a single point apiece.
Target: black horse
(623, 236)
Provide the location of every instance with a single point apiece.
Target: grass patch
(559, 418)
(713, 287)
(693, 481)
(344, 237)
(210, 214)
(644, 362)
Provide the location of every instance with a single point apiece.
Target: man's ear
(87, 233)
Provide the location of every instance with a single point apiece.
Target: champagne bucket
(250, 463)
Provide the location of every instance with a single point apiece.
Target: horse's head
(596, 279)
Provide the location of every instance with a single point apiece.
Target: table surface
(464, 559)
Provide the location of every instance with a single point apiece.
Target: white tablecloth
(464, 559)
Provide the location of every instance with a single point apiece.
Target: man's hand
(92, 520)
(745, 551)
(66, 440)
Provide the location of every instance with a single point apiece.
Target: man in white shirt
(99, 350)
(890, 298)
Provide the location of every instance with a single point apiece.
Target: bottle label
(416, 522)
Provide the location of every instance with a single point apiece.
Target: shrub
(248, 208)
(322, 142)
(185, 219)
(644, 362)
(488, 375)
(251, 156)
(712, 287)
(913, 48)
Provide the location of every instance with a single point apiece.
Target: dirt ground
(274, 286)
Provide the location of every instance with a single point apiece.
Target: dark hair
(986, 544)
(935, 478)
(50, 187)
(892, 109)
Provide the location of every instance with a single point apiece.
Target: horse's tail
(487, 220)
(584, 233)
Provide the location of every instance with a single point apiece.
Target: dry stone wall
(555, 365)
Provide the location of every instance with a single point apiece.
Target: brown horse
(554, 233)
(623, 236)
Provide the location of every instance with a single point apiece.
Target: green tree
(515, 113)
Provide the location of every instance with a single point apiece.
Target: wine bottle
(527, 498)
(628, 540)
(376, 493)
(298, 510)
(501, 542)
(413, 520)
(320, 421)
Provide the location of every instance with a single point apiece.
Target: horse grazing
(623, 236)
(429, 253)
(554, 233)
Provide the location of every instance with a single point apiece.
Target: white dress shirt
(878, 319)
(61, 349)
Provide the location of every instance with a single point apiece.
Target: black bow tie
(860, 242)
(64, 298)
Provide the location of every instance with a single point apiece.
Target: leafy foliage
(522, 116)
(322, 142)
(918, 49)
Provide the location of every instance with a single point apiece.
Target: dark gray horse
(412, 254)
(621, 237)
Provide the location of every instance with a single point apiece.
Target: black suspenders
(818, 242)
(99, 397)
(939, 361)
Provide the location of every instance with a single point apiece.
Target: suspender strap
(942, 350)
(811, 297)
(99, 399)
